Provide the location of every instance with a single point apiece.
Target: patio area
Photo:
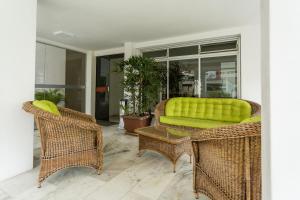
(125, 176)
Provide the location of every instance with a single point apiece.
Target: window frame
(228, 52)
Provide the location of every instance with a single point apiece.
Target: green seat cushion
(193, 122)
(252, 119)
(47, 106)
(218, 109)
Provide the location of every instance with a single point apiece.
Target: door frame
(98, 65)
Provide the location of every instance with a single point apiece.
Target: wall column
(281, 99)
(17, 77)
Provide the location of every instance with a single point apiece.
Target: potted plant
(142, 84)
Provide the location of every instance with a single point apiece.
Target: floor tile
(3, 195)
(134, 196)
(125, 176)
(35, 193)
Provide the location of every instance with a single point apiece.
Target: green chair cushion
(252, 119)
(47, 106)
(218, 109)
(193, 122)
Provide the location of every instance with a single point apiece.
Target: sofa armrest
(159, 111)
(255, 108)
(228, 132)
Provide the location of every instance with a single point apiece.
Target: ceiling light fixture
(64, 34)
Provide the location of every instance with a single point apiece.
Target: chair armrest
(76, 114)
(75, 122)
(159, 111)
(241, 130)
(68, 118)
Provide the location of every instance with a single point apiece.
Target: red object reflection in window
(101, 89)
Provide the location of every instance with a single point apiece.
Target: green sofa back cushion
(193, 122)
(47, 106)
(219, 109)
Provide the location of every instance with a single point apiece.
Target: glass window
(219, 47)
(56, 95)
(183, 51)
(164, 94)
(219, 77)
(154, 54)
(216, 76)
(183, 78)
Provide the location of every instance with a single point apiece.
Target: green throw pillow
(46, 106)
(252, 119)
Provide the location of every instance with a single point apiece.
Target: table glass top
(165, 133)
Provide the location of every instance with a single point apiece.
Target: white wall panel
(17, 77)
(55, 65)
(40, 60)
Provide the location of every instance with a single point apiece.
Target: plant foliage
(52, 95)
(142, 83)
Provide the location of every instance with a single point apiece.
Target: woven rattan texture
(72, 139)
(227, 160)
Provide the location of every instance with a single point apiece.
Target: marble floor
(125, 177)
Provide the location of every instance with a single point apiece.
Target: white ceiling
(102, 24)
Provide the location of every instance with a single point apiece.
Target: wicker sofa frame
(72, 139)
(227, 160)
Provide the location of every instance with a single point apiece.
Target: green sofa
(203, 113)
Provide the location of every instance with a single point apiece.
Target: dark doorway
(108, 87)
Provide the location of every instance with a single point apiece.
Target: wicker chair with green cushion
(68, 138)
(202, 113)
(226, 144)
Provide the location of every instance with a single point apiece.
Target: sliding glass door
(183, 78)
(219, 77)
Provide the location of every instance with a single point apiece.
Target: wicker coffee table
(168, 141)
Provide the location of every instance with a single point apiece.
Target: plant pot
(133, 122)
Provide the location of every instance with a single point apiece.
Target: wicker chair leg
(174, 167)
(140, 153)
(196, 195)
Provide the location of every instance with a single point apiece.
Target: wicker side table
(169, 142)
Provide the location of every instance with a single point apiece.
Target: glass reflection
(183, 78)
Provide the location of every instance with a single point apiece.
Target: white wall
(17, 73)
(88, 82)
(282, 124)
(61, 45)
(265, 72)
(115, 94)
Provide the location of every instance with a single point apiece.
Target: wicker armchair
(227, 162)
(70, 140)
